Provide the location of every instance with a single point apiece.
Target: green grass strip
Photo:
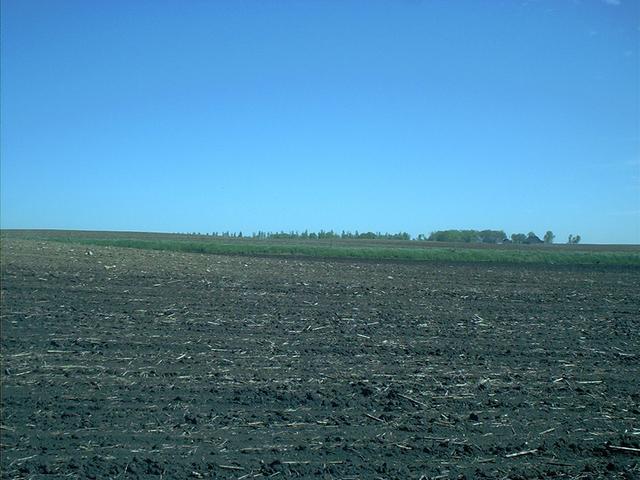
(559, 257)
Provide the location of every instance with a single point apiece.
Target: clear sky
(364, 115)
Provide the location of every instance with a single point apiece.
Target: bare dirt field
(127, 363)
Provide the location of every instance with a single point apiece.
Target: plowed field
(124, 363)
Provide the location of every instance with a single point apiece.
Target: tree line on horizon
(454, 236)
(321, 235)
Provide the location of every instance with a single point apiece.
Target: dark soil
(141, 364)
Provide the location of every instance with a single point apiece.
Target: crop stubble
(127, 363)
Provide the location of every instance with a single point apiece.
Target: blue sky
(361, 115)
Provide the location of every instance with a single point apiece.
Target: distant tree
(466, 236)
(492, 236)
(518, 237)
(367, 235)
(574, 240)
(399, 236)
(532, 238)
(549, 236)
